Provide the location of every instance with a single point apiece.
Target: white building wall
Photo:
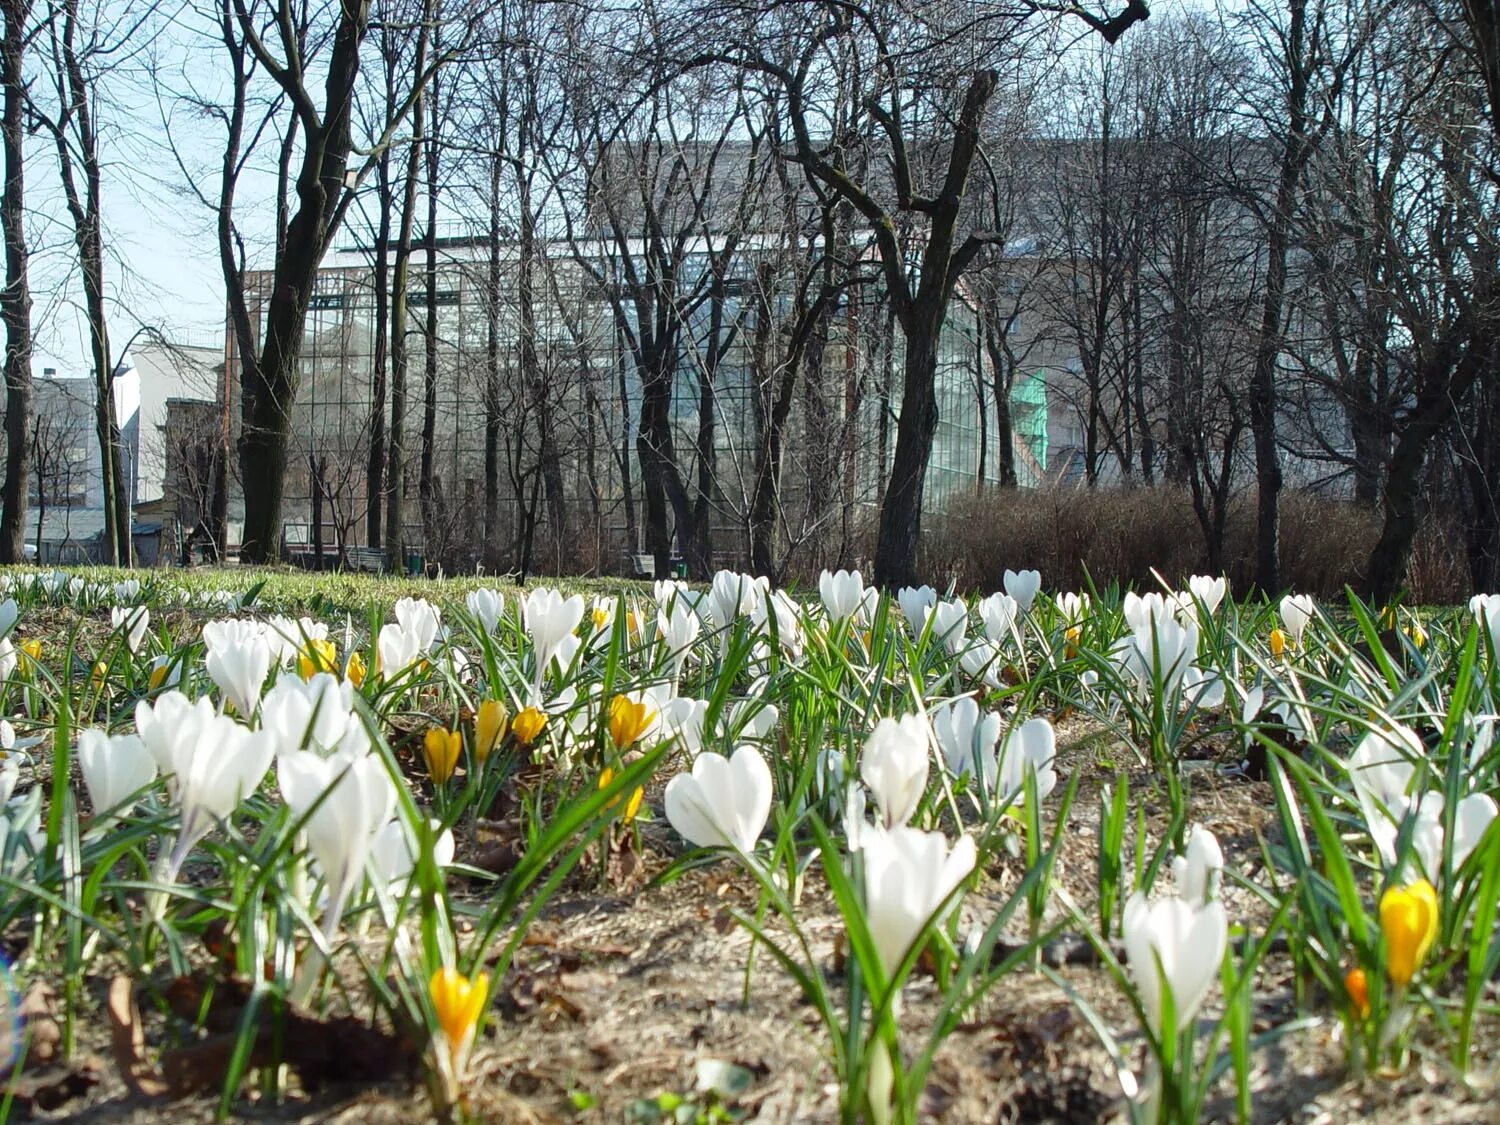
(167, 371)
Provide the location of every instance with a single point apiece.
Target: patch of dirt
(620, 991)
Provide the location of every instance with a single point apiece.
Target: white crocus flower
(132, 621)
(1208, 591)
(1163, 650)
(486, 606)
(10, 613)
(999, 612)
(667, 591)
(843, 593)
(239, 659)
(1023, 586)
(1296, 611)
(550, 621)
(750, 719)
(908, 875)
(346, 800)
(1030, 747)
(213, 763)
(393, 854)
(723, 802)
(1176, 942)
(419, 616)
(396, 650)
(950, 624)
(788, 622)
(1141, 611)
(966, 737)
(1073, 607)
(114, 768)
(288, 637)
(1383, 770)
(894, 766)
(916, 603)
(316, 714)
(732, 595)
(683, 719)
(127, 590)
(1484, 607)
(678, 627)
(1197, 871)
(981, 660)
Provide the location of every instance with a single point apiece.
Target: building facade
(562, 418)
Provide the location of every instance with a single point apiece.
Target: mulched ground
(620, 992)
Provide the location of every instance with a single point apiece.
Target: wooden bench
(370, 560)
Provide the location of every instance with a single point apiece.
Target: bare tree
(918, 215)
(15, 300)
(76, 73)
(323, 193)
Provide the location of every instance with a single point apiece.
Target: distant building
(167, 371)
(65, 513)
(839, 441)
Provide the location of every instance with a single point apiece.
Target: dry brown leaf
(128, 1040)
(39, 1020)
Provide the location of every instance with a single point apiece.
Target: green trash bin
(413, 563)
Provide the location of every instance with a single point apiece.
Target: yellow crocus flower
(1280, 642)
(442, 748)
(354, 670)
(33, 652)
(632, 806)
(601, 618)
(527, 725)
(318, 656)
(628, 720)
(1408, 919)
(489, 728)
(459, 1003)
(158, 675)
(1358, 990)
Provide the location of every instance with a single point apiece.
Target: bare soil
(619, 992)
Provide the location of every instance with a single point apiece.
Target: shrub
(1121, 535)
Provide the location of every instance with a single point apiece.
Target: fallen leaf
(128, 1040)
(39, 1024)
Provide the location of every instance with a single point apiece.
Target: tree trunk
(315, 479)
(73, 133)
(395, 513)
(661, 483)
(901, 514)
(426, 483)
(15, 300)
(1002, 381)
(1471, 350)
(375, 466)
(492, 379)
(1367, 431)
(270, 385)
(1262, 393)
